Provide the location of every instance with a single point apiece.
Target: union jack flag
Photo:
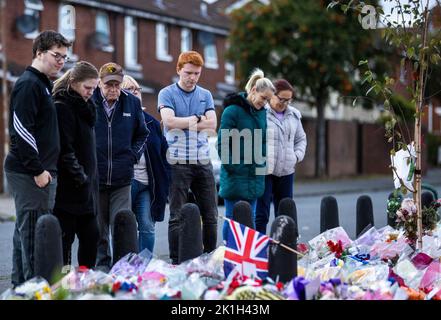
(245, 247)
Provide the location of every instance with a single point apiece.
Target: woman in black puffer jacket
(77, 191)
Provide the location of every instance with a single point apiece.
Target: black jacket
(120, 139)
(77, 188)
(158, 168)
(33, 127)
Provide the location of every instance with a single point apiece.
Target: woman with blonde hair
(76, 200)
(151, 176)
(242, 174)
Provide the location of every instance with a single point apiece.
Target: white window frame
(131, 43)
(230, 76)
(186, 40)
(34, 6)
(162, 43)
(211, 61)
(103, 15)
(33, 9)
(70, 35)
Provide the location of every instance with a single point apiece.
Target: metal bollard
(287, 207)
(125, 235)
(282, 263)
(242, 213)
(48, 250)
(365, 215)
(190, 237)
(328, 214)
(426, 199)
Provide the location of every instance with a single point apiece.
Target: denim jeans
(141, 208)
(31, 202)
(200, 180)
(276, 188)
(229, 205)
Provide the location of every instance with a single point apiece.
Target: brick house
(144, 36)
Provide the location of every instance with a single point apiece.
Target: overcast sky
(387, 5)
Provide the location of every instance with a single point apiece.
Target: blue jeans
(141, 208)
(276, 188)
(229, 205)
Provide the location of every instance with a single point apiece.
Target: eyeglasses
(283, 100)
(134, 90)
(58, 57)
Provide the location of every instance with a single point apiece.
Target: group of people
(84, 148)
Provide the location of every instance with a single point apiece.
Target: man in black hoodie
(31, 165)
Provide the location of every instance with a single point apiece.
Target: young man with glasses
(121, 134)
(31, 164)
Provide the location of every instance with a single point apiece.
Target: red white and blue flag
(246, 251)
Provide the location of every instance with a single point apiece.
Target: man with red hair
(187, 112)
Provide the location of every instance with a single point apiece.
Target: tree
(317, 50)
(419, 46)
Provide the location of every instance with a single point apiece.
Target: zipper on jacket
(109, 153)
(109, 147)
(146, 153)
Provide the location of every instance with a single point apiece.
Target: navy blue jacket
(120, 139)
(158, 168)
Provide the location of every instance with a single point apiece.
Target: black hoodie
(77, 187)
(33, 127)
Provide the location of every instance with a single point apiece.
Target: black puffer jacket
(77, 190)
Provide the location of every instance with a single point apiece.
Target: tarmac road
(307, 196)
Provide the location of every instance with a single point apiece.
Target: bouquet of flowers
(406, 218)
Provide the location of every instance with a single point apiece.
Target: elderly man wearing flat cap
(121, 134)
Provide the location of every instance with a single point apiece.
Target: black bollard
(365, 215)
(426, 199)
(48, 250)
(242, 213)
(282, 263)
(190, 236)
(391, 220)
(125, 235)
(288, 207)
(328, 214)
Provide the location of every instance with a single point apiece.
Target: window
(162, 43)
(32, 9)
(66, 21)
(229, 73)
(207, 41)
(34, 5)
(186, 40)
(102, 27)
(131, 43)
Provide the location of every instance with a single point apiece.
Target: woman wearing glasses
(286, 148)
(241, 144)
(77, 191)
(151, 181)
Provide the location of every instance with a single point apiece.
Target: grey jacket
(286, 141)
